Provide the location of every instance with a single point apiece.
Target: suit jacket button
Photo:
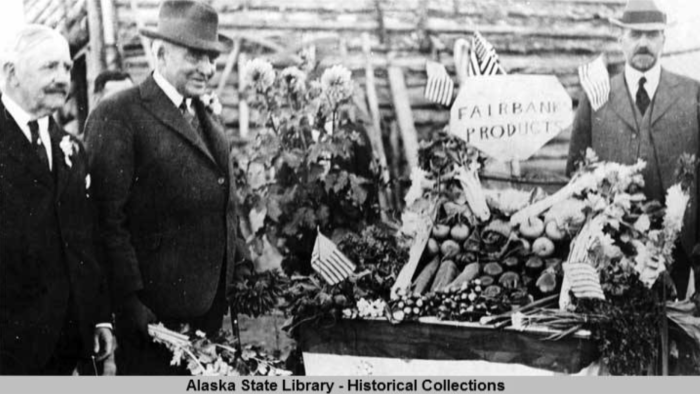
(221, 181)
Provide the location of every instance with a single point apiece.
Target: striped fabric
(483, 59)
(329, 262)
(595, 81)
(440, 86)
(584, 280)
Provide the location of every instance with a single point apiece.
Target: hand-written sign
(510, 117)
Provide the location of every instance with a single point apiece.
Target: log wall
(530, 36)
(67, 16)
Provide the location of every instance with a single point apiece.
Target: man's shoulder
(113, 113)
(678, 79)
(120, 100)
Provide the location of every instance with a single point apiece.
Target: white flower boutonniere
(69, 147)
(212, 103)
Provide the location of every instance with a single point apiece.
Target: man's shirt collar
(22, 117)
(653, 77)
(170, 90)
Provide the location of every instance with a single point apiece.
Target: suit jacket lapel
(60, 168)
(21, 149)
(162, 108)
(620, 101)
(215, 133)
(664, 97)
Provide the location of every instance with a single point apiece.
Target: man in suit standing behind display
(164, 188)
(651, 114)
(54, 309)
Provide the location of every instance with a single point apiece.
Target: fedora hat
(642, 15)
(191, 24)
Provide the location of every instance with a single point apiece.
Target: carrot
(445, 275)
(426, 275)
(468, 273)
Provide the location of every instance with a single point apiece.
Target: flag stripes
(483, 59)
(595, 81)
(329, 262)
(440, 86)
(584, 280)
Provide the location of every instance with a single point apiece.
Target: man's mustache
(58, 88)
(205, 77)
(643, 51)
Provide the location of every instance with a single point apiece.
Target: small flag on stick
(595, 81)
(584, 280)
(483, 59)
(329, 262)
(440, 86)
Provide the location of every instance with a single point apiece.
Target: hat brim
(641, 26)
(224, 44)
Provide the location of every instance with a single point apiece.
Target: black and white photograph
(299, 189)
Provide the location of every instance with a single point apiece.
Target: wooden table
(433, 347)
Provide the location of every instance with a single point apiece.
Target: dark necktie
(37, 144)
(190, 117)
(642, 96)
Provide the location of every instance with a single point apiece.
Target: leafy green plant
(309, 166)
(379, 257)
(259, 293)
(628, 333)
(217, 355)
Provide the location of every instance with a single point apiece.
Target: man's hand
(103, 343)
(109, 366)
(137, 316)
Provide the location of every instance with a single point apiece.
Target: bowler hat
(642, 15)
(191, 24)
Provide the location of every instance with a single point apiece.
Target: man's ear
(160, 53)
(620, 33)
(8, 70)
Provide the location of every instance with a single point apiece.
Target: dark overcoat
(47, 249)
(166, 201)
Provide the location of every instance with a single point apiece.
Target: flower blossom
(258, 74)
(294, 80)
(212, 103)
(676, 203)
(69, 148)
(336, 84)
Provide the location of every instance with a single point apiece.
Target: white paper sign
(510, 117)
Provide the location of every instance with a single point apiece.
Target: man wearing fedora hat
(651, 114)
(163, 183)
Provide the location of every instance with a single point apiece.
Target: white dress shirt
(23, 118)
(653, 77)
(171, 92)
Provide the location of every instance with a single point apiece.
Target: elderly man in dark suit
(163, 182)
(54, 309)
(651, 114)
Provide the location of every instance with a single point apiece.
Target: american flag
(329, 262)
(584, 280)
(483, 59)
(440, 86)
(595, 81)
